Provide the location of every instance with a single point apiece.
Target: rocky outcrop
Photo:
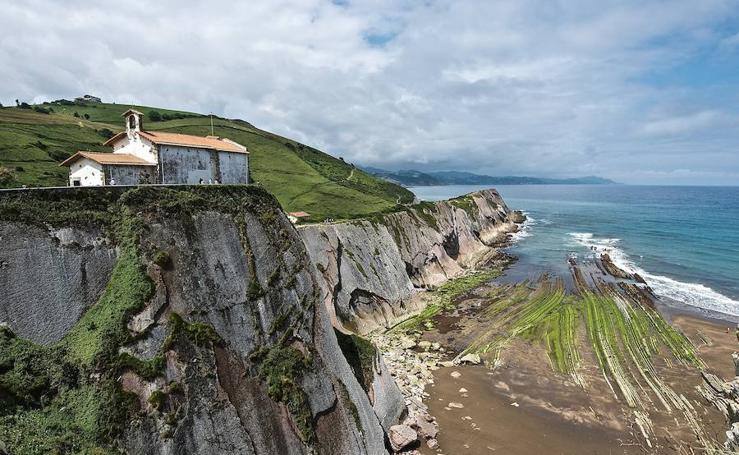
(724, 395)
(181, 320)
(369, 270)
(49, 277)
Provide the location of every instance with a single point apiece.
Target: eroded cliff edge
(369, 270)
(161, 320)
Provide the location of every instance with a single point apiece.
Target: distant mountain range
(418, 178)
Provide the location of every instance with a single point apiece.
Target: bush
(6, 176)
(24, 105)
(41, 110)
(77, 114)
(155, 116)
(87, 116)
(19, 169)
(106, 133)
(161, 258)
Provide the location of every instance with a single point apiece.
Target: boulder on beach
(473, 359)
(402, 436)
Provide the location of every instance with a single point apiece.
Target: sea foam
(524, 229)
(693, 294)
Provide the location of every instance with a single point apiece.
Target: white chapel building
(147, 157)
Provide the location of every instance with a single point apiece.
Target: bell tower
(134, 121)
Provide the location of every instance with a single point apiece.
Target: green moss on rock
(361, 355)
(197, 333)
(282, 368)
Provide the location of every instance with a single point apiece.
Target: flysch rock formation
(725, 397)
(229, 351)
(369, 270)
(200, 320)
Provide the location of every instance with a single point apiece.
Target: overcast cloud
(641, 92)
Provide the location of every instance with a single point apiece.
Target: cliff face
(369, 270)
(157, 320)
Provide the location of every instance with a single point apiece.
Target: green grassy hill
(33, 143)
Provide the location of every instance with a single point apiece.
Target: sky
(643, 92)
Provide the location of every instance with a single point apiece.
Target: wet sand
(524, 407)
(497, 419)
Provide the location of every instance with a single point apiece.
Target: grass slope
(302, 178)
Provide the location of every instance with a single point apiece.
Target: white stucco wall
(137, 146)
(88, 172)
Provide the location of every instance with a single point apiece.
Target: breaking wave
(524, 230)
(693, 294)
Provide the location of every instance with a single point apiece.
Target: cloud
(510, 87)
(683, 124)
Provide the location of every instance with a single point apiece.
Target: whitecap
(524, 229)
(693, 294)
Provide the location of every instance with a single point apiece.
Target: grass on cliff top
(302, 178)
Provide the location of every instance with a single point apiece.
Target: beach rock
(455, 374)
(433, 444)
(454, 404)
(402, 436)
(425, 345)
(407, 343)
(446, 363)
(426, 429)
(473, 359)
(517, 217)
(462, 390)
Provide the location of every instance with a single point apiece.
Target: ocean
(684, 241)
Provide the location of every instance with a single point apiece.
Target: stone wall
(183, 165)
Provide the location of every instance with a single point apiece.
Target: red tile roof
(108, 158)
(186, 140)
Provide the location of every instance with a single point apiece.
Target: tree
(87, 116)
(17, 103)
(155, 116)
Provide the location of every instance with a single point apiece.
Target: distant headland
(440, 178)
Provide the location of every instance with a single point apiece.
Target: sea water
(684, 241)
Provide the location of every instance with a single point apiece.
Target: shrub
(161, 258)
(25, 105)
(155, 116)
(77, 114)
(87, 116)
(6, 176)
(106, 133)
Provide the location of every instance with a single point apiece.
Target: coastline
(463, 398)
